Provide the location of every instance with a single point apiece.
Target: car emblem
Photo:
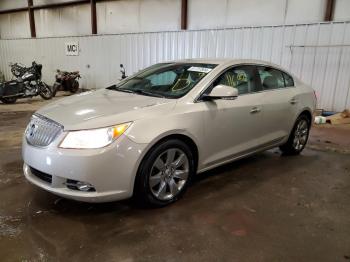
(32, 130)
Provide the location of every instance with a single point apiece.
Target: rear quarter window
(288, 80)
(270, 78)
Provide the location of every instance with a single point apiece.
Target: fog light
(82, 186)
(79, 185)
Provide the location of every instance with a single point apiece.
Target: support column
(93, 17)
(31, 18)
(329, 10)
(183, 14)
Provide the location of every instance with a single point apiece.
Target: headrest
(270, 82)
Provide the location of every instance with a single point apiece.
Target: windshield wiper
(120, 89)
(136, 91)
(147, 93)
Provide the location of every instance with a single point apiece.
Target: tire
(45, 91)
(298, 137)
(8, 100)
(160, 181)
(56, 86)
(74, 87)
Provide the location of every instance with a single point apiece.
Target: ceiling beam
(184, 10)
(14, 10)
(61, 4)
(329, 14)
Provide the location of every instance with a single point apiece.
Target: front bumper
(111, 170)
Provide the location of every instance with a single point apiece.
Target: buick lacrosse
(148, 135)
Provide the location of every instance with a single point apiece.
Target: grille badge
(32, 129)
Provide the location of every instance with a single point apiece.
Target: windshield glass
(171, 80)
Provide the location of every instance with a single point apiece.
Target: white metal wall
(132, 16)
(317, 53)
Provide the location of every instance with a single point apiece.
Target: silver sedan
(148, 135)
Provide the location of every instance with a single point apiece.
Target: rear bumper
(111, 170)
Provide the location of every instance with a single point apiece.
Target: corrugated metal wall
(318, 53)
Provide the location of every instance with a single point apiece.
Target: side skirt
(244, 154)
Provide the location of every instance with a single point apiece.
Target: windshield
(171, 80)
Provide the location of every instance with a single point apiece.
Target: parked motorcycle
(66, 81)
(27, 85)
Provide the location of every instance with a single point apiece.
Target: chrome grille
(42, 131)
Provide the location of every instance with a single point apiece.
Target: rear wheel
(8, 100)
(45, 91)
(298, 137)
(164, 174)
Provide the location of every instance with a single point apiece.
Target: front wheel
(45, 91)
(298, 137)
(164, 174)
(74, 87)
(56, 86)
(8, 100)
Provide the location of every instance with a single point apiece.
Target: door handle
(293, 101)
(255, 110)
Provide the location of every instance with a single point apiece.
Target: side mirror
(221, 92)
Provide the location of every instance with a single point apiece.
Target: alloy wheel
(169, 174)
(300, 134)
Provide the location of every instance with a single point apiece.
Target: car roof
(227, 61)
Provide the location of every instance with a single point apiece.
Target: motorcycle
(66, 81)
(27, 85)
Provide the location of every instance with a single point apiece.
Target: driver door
(232, 127)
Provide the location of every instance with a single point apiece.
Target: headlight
(93, 138)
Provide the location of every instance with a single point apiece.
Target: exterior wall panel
(319, 54)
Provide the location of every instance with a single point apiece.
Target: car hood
(104, 107)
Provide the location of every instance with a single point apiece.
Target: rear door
(279, 102)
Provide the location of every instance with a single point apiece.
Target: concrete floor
(263, 208)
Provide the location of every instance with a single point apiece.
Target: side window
(163, 79)
(288, 80)
(270, 78)
(241, 77)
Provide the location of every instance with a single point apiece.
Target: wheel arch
(307, 112)
(180, 136)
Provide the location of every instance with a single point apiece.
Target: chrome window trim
(198, 97)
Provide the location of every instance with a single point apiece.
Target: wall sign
(72, 48)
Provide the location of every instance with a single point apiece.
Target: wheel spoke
(155, 180)
(295, 140)
(173, 187)
(303, 140)
(170, 156)
(181, 174)
(161, 191)
(180, 161)
(303, 125)
(159, 164)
